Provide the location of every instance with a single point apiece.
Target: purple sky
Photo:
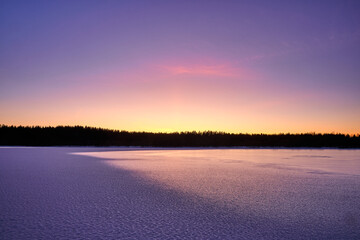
(236, 66)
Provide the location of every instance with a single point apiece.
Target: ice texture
(122, 193)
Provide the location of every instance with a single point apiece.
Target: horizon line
(187, 131)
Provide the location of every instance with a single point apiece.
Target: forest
(91, 136)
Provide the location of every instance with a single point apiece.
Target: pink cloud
(209, 70)
(214, 69)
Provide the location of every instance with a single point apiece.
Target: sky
(164, 66)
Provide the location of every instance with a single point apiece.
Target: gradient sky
(234, 66)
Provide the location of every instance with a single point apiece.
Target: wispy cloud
(217, 69)
(199, 69)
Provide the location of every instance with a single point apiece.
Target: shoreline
(134, 148)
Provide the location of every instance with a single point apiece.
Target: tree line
(91, 136)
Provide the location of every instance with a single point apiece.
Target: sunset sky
(164, 66)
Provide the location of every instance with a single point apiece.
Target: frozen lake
(132, 193)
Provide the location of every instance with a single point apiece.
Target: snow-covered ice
(125, 193)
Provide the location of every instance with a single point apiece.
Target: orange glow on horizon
(181, 97)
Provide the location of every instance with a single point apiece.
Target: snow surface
(129, 193)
